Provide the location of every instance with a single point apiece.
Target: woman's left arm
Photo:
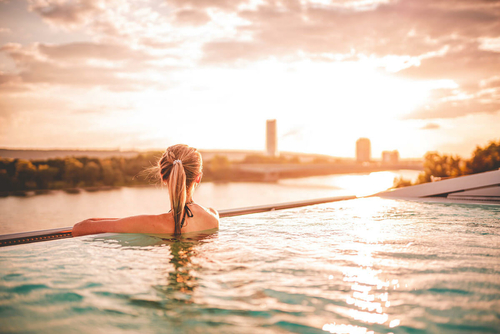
(134, 224)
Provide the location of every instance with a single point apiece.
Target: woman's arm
(134, 224)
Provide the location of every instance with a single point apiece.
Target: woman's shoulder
(210, 216)
(213, 212)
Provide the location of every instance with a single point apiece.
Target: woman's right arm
(90, 226)
(134, 224)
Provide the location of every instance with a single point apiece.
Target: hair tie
(178, 161)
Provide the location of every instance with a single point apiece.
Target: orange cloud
(68, 14)
(191, 17)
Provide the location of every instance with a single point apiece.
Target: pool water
(361, 266)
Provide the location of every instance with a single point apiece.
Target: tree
(73, 170)
(5, 181)
(45, 175)
(436, 165)
(108, 177)
(400, 182)
(91, 173)
(25, 174)
(485, 159)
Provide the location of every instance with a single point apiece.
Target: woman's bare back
(202, 219)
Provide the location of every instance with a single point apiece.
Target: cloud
(158, 43)
(455, 40)
(464, 63)
(7, 78)
(221, 4)
(67, 14)
(79, 76)
(15, 105)
(492, 82)
(88, 50)
(430, 126)
(191, 17)
(67, 65)
(422, 40)
(460, 104)
(101, 109)
(231, 51)
(11, 83)
(396, 27)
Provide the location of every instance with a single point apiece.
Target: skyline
(410, 76)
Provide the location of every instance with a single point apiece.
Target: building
(271, 138)
(363, 150)
(390, 157)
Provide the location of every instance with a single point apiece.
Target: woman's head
(180, 168)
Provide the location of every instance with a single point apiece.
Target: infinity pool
(359, 266)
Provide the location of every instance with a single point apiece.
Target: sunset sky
(416, 76)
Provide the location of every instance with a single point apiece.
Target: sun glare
(327, 100)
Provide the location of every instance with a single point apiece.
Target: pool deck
(482, 188)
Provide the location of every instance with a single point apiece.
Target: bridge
(274, 172)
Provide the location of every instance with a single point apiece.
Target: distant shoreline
(78, 190)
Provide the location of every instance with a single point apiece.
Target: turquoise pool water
(360, 266)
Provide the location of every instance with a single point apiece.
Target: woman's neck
(189, 197)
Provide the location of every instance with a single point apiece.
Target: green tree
(485, 159)
(400, 182)
(91, 173)
(5, 181)
(25, 174)
(60, 165)
(436, 165)
(73, 171)
(108, 176)
(9, 165)
(45, 176)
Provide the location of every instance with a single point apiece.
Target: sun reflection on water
(369, 300)
(348, 329)
(363, 185)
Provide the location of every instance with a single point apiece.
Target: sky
(410, 75)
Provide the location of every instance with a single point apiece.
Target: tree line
(71, 172)
(438, 166)
(20, 175)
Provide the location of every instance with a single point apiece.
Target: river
(59, 209)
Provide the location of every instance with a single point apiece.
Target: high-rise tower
(271, 138)
(363, 150)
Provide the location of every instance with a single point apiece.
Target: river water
(59, 209)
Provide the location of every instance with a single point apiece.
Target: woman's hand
(82, 228)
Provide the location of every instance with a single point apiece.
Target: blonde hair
(179, 166)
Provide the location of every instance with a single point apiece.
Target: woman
(180, 168)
